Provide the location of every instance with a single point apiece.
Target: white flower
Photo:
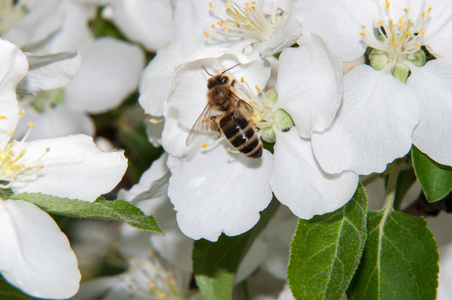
(215, 191)
(197, 27)
(381, 116)
(145, 278)
(109, 71)
(149, 23)
(37, 257)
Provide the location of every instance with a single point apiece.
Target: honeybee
(230, 116)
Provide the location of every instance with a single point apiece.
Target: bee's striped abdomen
(241, 134)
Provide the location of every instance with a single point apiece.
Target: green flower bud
(417, 58)
(283, 120)
(401, 72)
(378, 59)
(271, 98)
(268, 135)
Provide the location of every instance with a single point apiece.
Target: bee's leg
(214, 126)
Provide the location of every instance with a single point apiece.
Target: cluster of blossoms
(322, 124)
(324, 128)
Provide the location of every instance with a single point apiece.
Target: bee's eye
(224, 80)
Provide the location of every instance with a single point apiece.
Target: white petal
(339, 23)
(147, 22)
(287, 32)
(73, 167)
(53, 122)
(433, 134)
(307, 190)
(36, 255)
(438, 32)
(13, 67)
(157, 79)
(373, 126)
(215, 191)
(110, 71)
(310, 85)
(51, 71)
(40, 22)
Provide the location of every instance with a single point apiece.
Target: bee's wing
(201, 125)
(244, 108)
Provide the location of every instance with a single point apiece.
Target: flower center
(248, 22)
(12, 167)
(149, 280)
(396, 42)
(266, 118)
(10, 12)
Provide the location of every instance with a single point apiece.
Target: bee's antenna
(206, 71)
(230, 68)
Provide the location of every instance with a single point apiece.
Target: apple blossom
(387, 106)
(215, 191)
(37, 257)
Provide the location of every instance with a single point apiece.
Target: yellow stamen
(229, 149)
(417, 45)
(21, 114)
(228, 5)
(379, 23)
(153, 121)
(213, 26)
(264, 111)
(363, 26)
(387, 4)
(242, 79)
(206, 34)
(204, 145)
(258, 89)
(40, 167)
(2, 117)
(405, 10)
(31, 125)
(421, 31)
(210, 5)
(362, 34)
(251, 102)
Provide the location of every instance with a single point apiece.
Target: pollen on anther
(229, 149)
(210, 5)
(2, 117)
(228, 5)
(379, 23)
(242, 79)
(362, 33)
(153, 121)
(205, 145)
(31, 125)
(421, 31)
(206, 34)
(417, 45)
(258, 89)
(39, 167)
(405, 10)
(213, 26)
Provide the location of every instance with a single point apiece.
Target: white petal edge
(73, 167)
(433, 134)
(13, 67)
(36, 255)
(215, 191)
(51, 71)
(307, 190)
(110, 71)
(374, 124)
(310, 85)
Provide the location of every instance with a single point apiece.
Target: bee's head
(219, 79)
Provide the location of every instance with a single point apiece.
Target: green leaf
(215, 264)
(435, 179)
(399, 259)
(101, 209)
(9, 292)
(325, 251)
